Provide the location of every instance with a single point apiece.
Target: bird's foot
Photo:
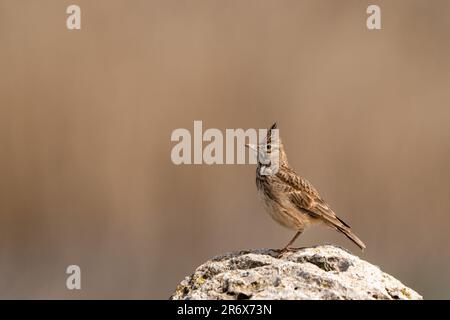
(288, 249)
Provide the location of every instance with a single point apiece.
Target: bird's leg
(286, 248)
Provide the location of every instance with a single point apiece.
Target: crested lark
(290, 199)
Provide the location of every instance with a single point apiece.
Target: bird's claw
(287, 249)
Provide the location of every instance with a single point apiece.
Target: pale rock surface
(322, 272)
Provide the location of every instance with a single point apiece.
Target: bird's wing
(305, 197)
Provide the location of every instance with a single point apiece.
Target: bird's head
(270, 147)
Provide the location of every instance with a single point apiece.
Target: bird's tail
(349, 234)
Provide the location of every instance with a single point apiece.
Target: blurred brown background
(86, 118)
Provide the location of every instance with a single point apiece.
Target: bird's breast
(280, 208)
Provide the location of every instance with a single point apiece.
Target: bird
(290, 199)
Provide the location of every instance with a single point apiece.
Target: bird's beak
(252, 147)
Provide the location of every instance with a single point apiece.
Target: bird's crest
(269, 134)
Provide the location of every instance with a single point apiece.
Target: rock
(322, 272)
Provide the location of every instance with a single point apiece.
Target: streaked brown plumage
(291, 200)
